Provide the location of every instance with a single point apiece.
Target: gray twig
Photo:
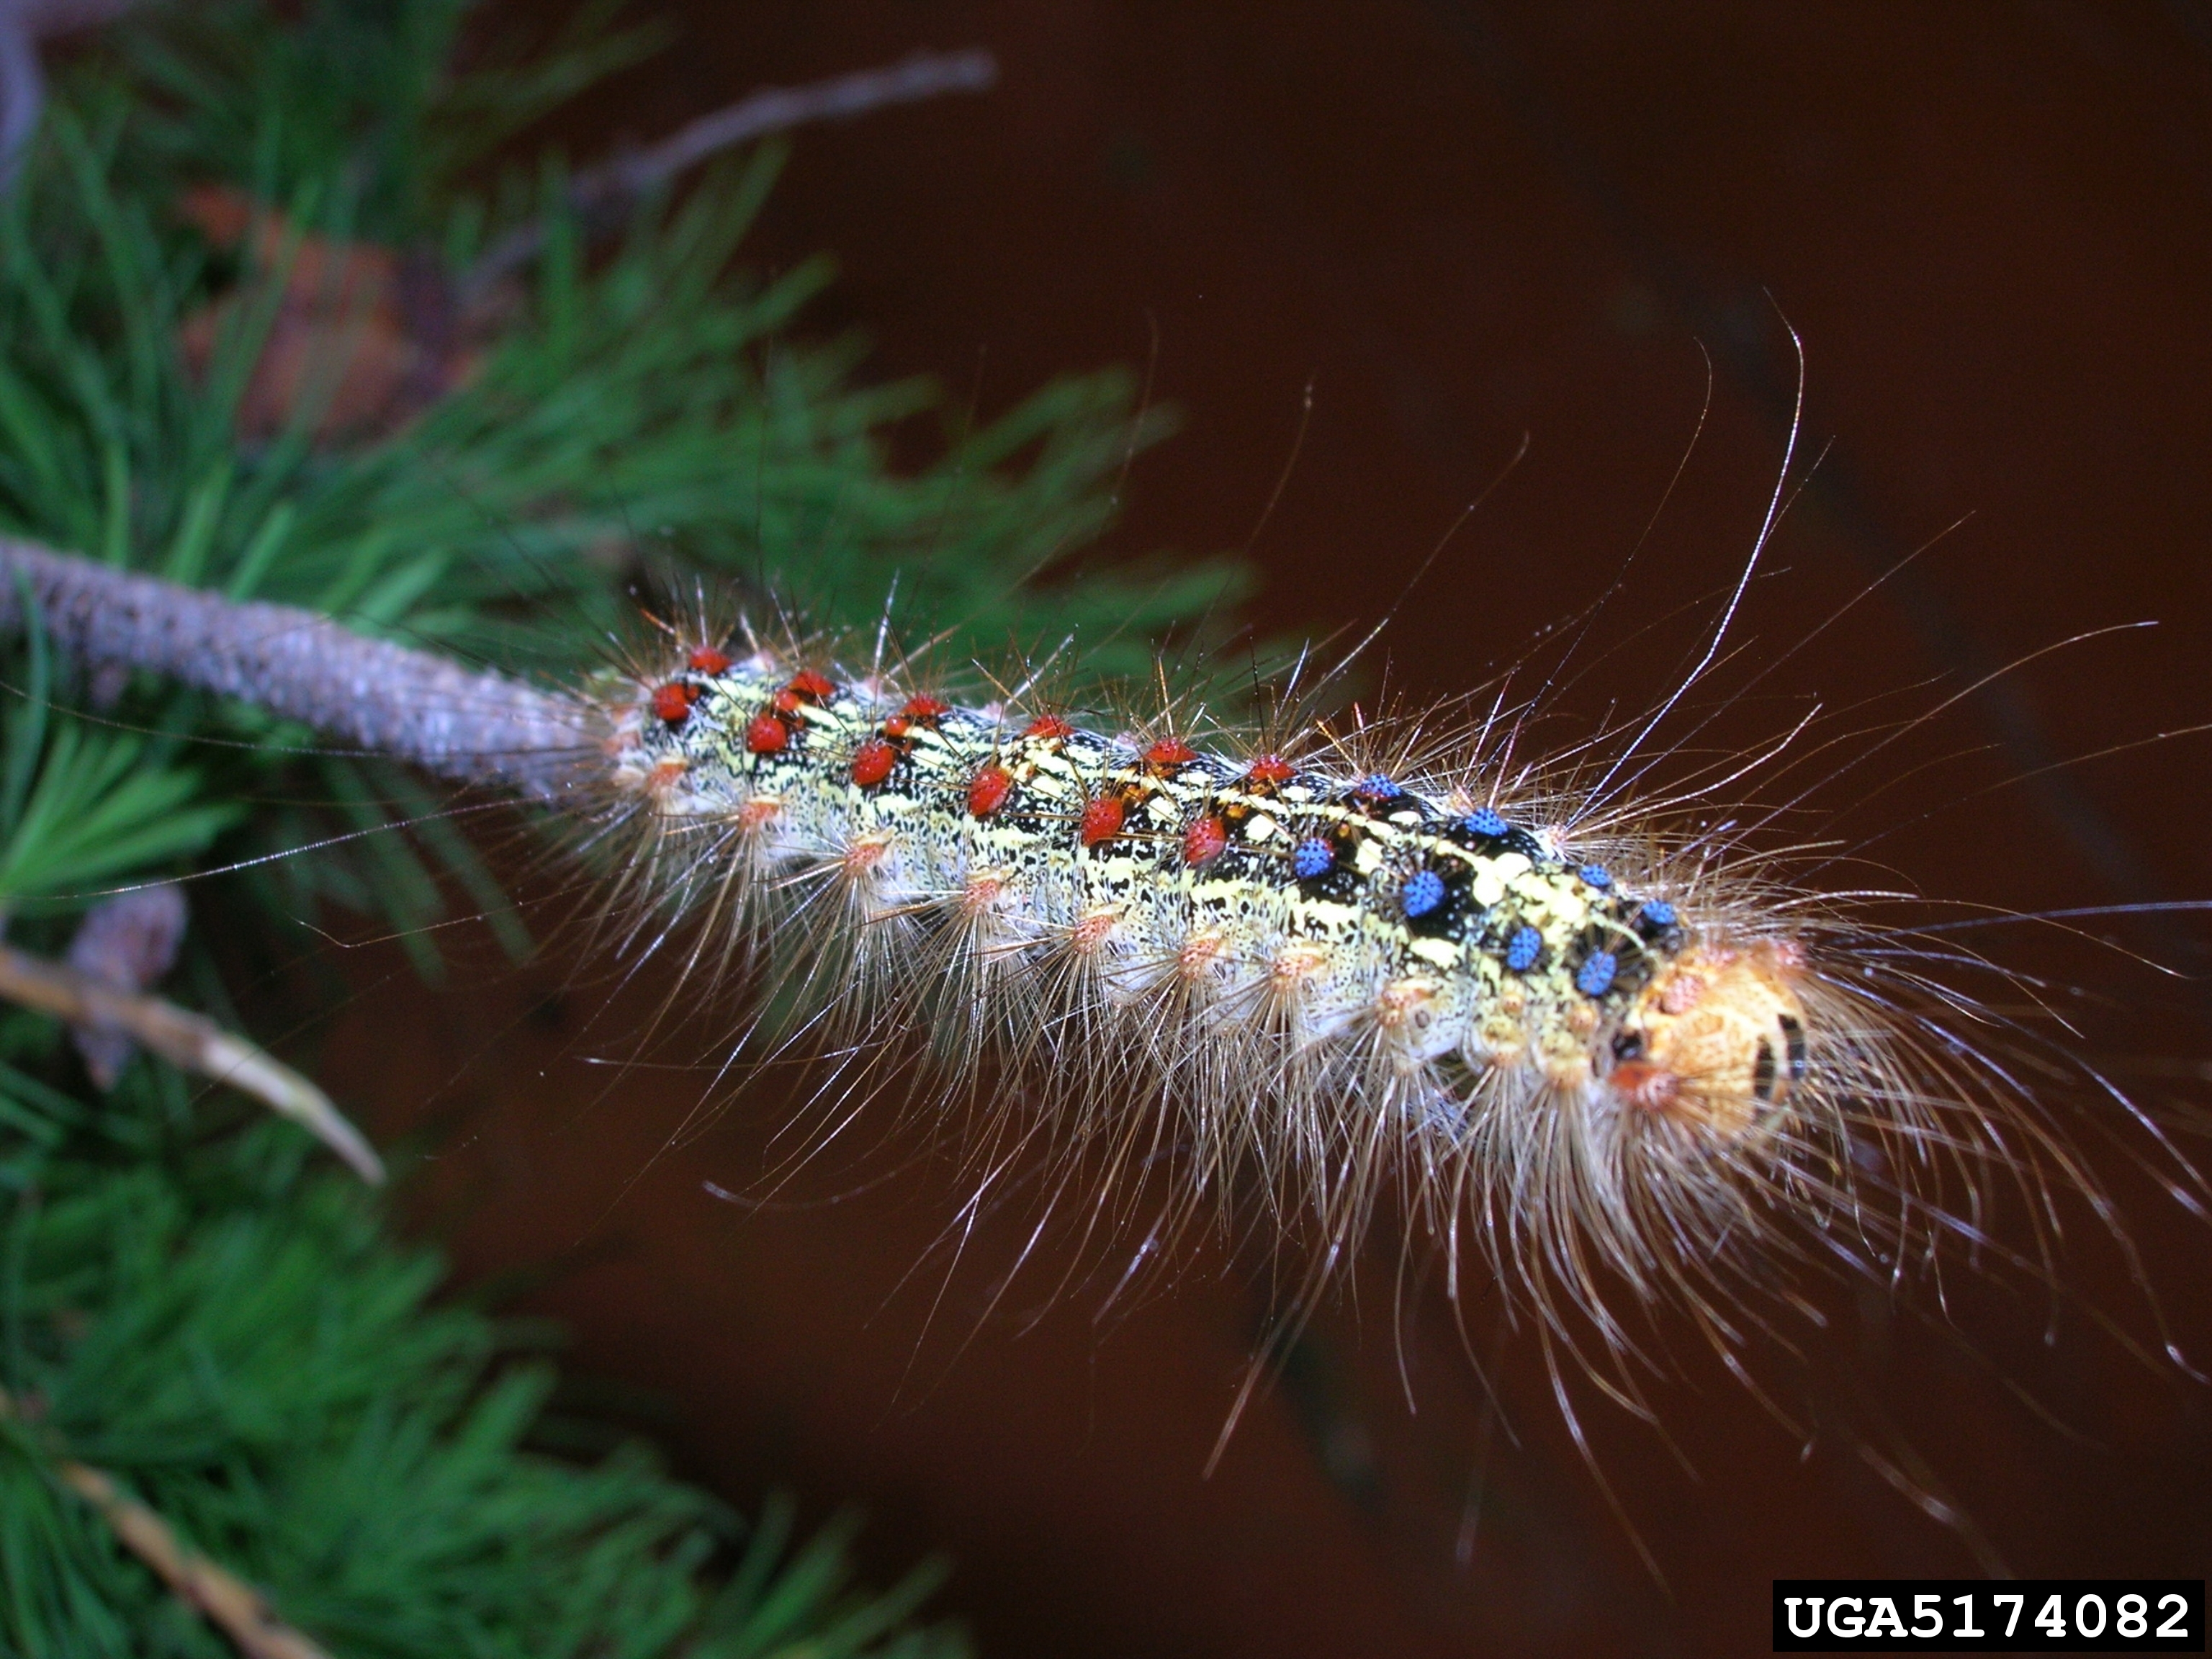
(472, 725)
(599, 192)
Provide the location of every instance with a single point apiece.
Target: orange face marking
(1716, 1041)
(1646, 1087)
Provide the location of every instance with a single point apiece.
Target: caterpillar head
(1716, 1041)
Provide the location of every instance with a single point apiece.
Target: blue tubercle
(1596, 875)
(1310, 857)
(1594, 977)
(1521, 951)
(1424, 891)
(1375, 787)
(1483, 821)
(1658, 912)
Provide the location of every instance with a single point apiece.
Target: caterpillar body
(1605, 1045)
(1600, 1051)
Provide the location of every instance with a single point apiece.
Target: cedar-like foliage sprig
(644, 417)
(405, 99)
(224, 1327)
(190, 1300)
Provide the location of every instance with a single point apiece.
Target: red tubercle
(873, 762)
(987, 791)
(1170, 752)
(708, 661)
(785, 702)
(1205, 841)
(811, 686)
(766, 735)
(898, 726)
(672, 702)
(1270, 769)
(1102, 820)
(1049, 727)
(924, 707)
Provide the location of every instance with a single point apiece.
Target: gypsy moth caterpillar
(1595, 1180)
(1595, 1037)
(1615, 1059)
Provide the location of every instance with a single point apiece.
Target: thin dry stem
(599, 191)
(225, 1600)
(189, 1040)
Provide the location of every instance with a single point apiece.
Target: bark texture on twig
(472, 725)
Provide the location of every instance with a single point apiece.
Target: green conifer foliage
(225, 1327)
(637, 418)
(192, 1300)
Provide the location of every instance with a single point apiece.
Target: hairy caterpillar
(1341, 977)
(1445, 348)
(1623, 1064)
(1317, 973)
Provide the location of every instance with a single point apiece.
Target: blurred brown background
(1464, 222)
